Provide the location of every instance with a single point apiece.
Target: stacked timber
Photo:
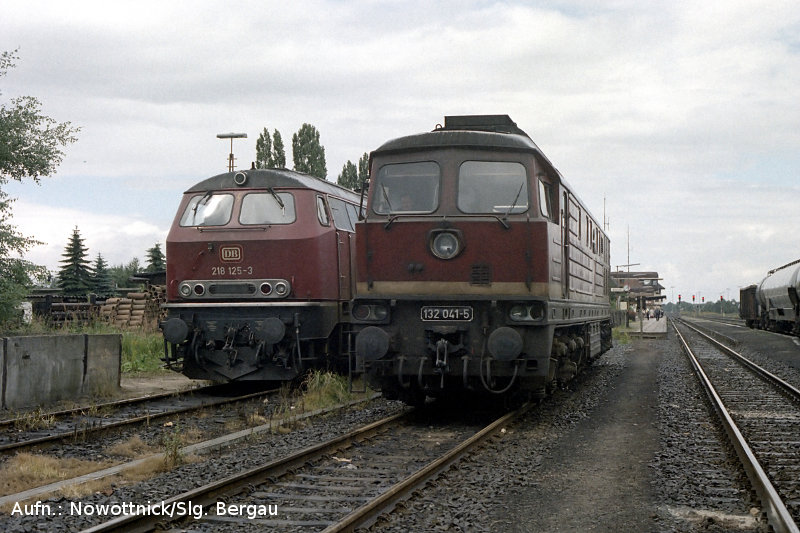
(136, 310)
(139, 303)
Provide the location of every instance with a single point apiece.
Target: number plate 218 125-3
(461, 313)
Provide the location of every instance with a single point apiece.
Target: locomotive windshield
(267, 208)
(492, 187)
(208, 210)
(406, 188)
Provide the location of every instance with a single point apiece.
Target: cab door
(345, 233)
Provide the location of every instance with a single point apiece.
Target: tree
(349, 176)
(75, 276)
(30, 147)
(263, 150)
(155, 259)
(102, 284)
(363, 168)
(308, 153)
(121, 274)
(269, 152)
(278, 152)
(30, 143)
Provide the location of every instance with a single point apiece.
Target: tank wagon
(773, 303)
(479, 269)
(259, 276)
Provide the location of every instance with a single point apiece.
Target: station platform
(648, 328)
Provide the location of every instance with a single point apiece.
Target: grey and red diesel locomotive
(473, 267)
(773, 304)
(259, 276)
(478, 268)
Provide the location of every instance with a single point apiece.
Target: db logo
(231, 253)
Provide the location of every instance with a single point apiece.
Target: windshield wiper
(277, 198)
(514, 204)
(204, 200)
(386, 197)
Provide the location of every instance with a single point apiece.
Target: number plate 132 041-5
(461, 313)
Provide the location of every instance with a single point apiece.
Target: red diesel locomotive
(478, 267)
(259, 276)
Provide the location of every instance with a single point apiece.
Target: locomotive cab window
(406, 188)
(496, 187)
(208, 210)
(322, 213)
(546, 199)
(267, 208)
(341, 218)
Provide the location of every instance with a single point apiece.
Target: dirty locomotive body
(259, 274)
(478, 268)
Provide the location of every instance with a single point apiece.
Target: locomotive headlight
(445, 245)
(528, 312)
(185, 289)
(281, 288)
(518, 313)
(370, 312)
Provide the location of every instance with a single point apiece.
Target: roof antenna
(231, 136)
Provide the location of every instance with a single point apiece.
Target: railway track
(761, 415)
(332, 486)
(37, 428)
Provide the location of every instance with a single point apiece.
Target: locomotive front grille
(481, 275)
(231, 288)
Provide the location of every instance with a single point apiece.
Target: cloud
(682, 116)
(117, 238)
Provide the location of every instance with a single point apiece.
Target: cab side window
(341, 218)
(322, 212)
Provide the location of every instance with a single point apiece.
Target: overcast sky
(678, 121)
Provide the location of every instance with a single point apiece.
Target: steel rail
(75, 432)
(207, 494)
(368, 512)
(792, 391)
(777, 514)
(105, 405)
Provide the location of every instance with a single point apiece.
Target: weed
(172, 440)
(324, 389)
(34, 420)
(131, 448)
(142, 352)
(621, 336)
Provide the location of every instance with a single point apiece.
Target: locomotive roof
(271, 177)
(478, 132)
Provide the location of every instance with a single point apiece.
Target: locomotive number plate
(461, 313)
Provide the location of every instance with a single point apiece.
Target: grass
(142, 350)
(319, 390)
(26, 470)
(620, 336)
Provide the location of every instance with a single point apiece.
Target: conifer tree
(155, 259)
(102, 283)
(75, 276)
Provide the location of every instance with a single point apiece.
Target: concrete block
(43, 369)
(103, 364)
